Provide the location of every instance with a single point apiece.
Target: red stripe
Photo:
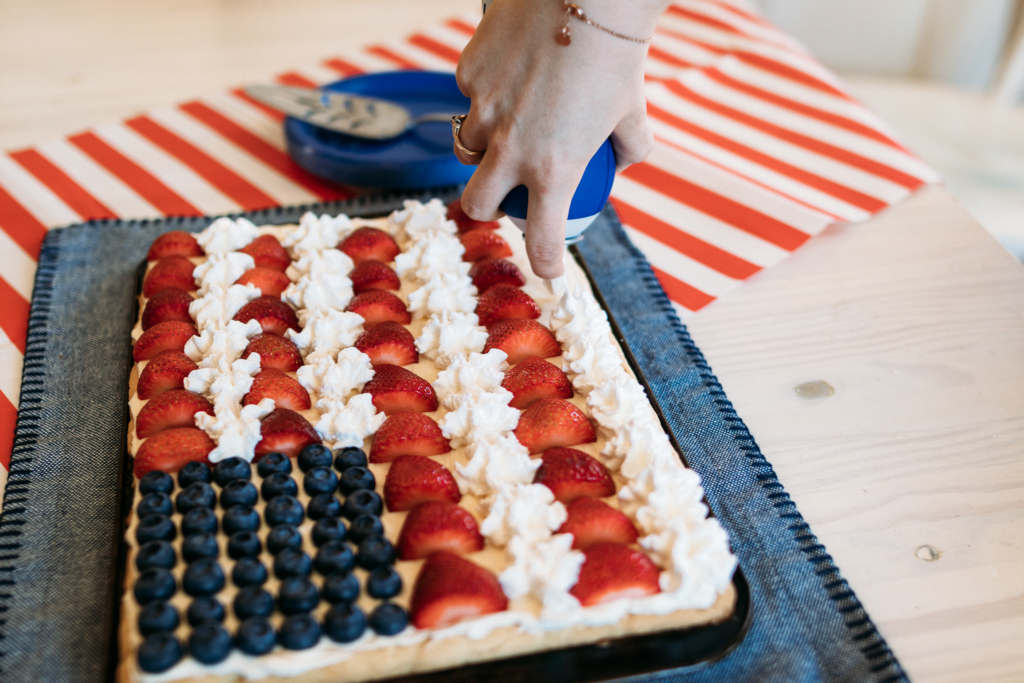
(683, 38)
(166, 200)
(851, 196)
(434, 47)
(240, 190)
(20, 225)
(674, 238)
(8, 418)
(793, 74)
(344, 68)
(391, 56)
(460, 25)
(668, 58)
(262, 150)
(743, 14)
(295, 80)
(706, 20)
(13, 315)
(686, 295)
(713, 204)
(70, 192)
(269, 111)
(808, 143)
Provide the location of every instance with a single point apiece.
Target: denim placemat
(58, 545)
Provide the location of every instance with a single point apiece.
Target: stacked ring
(457, 122)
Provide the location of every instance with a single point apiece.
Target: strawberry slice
(395, 389)
(572, 474)
(275, 352)
(174, 243)
(370, 244)
(166, 371)
(435, 526)
(376, 306)
(388, 342)
(273, 315)
(521, 338)
(168, 336)
(370, 275)
(612, 571)
(534, 379)
(172, 449)
(407, 433)
(167, 304)
(450, 589)
(285, 431)
(170, 271)
(267, 252)
(269, 281)
(488, 272)
(174, 408)
(484, 244)
(502, 302)
(592, 521)
(464, 222)
(414, 479)
(286, 391)
(553, 423)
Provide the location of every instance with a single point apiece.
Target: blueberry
(240, 518)
(209, 643)
(320, 480)
(283, 510)
(296, 594)
(159, 652)
(196, 494)
(198, 546)
(193, 472)
(283, 536)
(203, 577)
(249, 571)
(278, 484)
(157, 616)
(349, 457)
(244, 544)
(387, 619)
(364, 526)
(328, 529)
(344, 623)
(291, 562)
(155, 504)
(238, 492)
(155, 528)
(374, 552)
(362, 502)
(299, 632)
(340, 587)
(355, 479)
(205, 609)
(334, 556)
(156, 481)
(383, 583)
(155, 554)
(314, 455)
(154, 584)
(253, 601)
(255, 636)
(323, 505)
(198, 521)
(230, 470)
(274, 462)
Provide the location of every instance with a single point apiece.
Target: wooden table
(911, 473)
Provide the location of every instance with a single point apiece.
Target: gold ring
(457, 122)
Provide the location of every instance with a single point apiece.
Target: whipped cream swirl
(224, 235)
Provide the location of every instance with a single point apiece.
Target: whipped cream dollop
(449, 335)
(418, 221)
(547, 570)
(326, 333)
(317, 233)
(470, 376)
(224, 235)
(336, 378)
(218, 306)
(217, 347)
(495, 465)
(434, 255)
(348, 423)
(443, 292)
(221, 270)
(320, 283)
(234, 428)
(484, 418)
(528, 511)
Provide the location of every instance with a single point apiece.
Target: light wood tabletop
(911, 471)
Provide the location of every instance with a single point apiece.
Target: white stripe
(11, 362)
(754, 30)
(681, 310)
(656, 68)
(370, 63)
(35, 197)
(456, 40)
(17, 268)
(107, 188)
(688, 52)
(280, 188)
(422, 58)
(253, 119)
(175, 175)
(700, 225)
(319, 74)
(681, 266)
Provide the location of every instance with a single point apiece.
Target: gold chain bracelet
(572, 10)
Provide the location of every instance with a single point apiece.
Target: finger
(632, 140)
(545, 231)
(473, 136)
(487, 188)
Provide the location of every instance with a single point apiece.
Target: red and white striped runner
(758, 148)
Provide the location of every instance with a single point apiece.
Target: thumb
(632, 139)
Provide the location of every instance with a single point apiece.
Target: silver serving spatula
(362, 117)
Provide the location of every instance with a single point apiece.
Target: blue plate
(420, 158)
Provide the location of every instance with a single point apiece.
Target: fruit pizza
(373, 448)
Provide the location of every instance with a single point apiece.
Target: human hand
(540, 110)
